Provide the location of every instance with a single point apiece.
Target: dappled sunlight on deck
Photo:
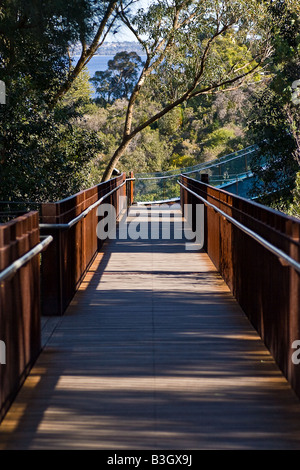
(153, 353)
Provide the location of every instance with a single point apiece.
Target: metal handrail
(273, 249)
(162, 201)
(16, 265)
(84, 213)
(209, 165)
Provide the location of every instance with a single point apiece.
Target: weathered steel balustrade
(20, 324)
(266, 286)
(75, 243)
(69, 227)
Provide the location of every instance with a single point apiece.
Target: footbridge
(151, 326)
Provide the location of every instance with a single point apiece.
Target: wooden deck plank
(153, 353)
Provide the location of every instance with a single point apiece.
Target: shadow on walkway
(153, 353)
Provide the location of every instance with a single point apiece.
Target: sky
(124, 34)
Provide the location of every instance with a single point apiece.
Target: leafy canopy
(193, 48)
(120, 77)
(42, 151)
(275, 120)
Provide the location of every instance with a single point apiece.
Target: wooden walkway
(153, 353)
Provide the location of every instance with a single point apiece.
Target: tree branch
(126, 21)
(87, 52)
(187, 96)
(224, 83)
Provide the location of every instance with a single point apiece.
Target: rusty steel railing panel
(74, 248)
(265, 285)
(19, 305)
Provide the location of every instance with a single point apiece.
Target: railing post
(51, 267)
(182, 196)
(130, 189)
(204, 178)
(293, 299)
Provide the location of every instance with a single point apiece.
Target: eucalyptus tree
(119, 78)
(37, 38)
(193, 47)
(95, 20)
(36, 129)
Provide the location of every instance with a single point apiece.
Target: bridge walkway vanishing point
(153, 353)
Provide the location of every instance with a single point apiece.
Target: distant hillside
(112, 48)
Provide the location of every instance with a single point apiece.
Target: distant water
(98, 63)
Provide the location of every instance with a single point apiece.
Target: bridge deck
(153, 353)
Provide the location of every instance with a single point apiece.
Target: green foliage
(229, 50)
(177, 140)
(275, 119)
(170, 124)
(44, 159)
(195, 51)
(147, 152)
(193, 48)
(43, 151)
(219, 137)
(79, 96)
(119, 79)
(34, 40)
(178, 161)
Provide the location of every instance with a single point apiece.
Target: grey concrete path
(153, 353)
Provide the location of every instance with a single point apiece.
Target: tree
(275, 117)
(120, 77)
(42, 151)
(44, 156)
(33, 46)
(193, 48)
(56, 27)
(95, 20)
